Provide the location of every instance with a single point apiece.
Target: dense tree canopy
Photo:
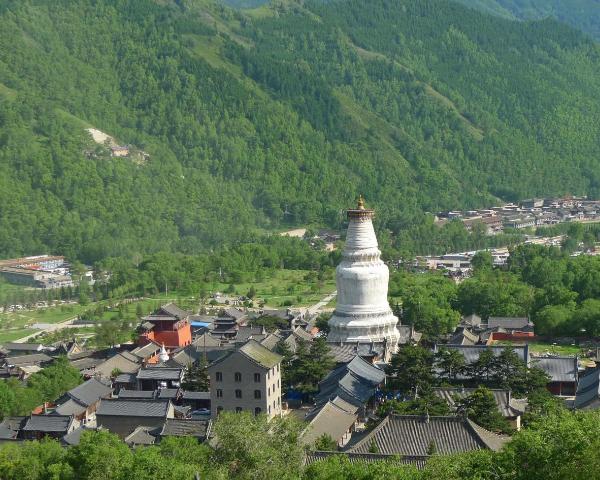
(256, 120)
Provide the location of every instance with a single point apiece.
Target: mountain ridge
(255, 120)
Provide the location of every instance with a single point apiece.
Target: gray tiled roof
(347, 351)
(10, 426)
(271, 341)
(413, 435)
(507, 406)
(196, 395)
(139, 394)
(247, 332)
(331, 420)
(354, 382)
(118, 362)
(90, 392)
(133, 408)
(48, 423)
(141, 436)
(560, 369)
(174, 310)
(472, 352)
(70, 407)
(23, 346)
(186, 428)
(74, 437)
(33, 359)
(168, 393)
(510, 323)
(588, 389)
(417, 461)
(146, 351)
(160, 373)
(125, 378)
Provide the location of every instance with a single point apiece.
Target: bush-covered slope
(275, 116)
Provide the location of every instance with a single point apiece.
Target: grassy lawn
(284, 286)
(543, 348)
(8, 290)
(11, 335)
(536, 347)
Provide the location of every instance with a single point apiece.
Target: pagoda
(363, 314)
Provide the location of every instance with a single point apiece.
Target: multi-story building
(169, 326)
(246, 379)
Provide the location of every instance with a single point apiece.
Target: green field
(542, 348)
(11, 335)
(284, 286)
(296, 288)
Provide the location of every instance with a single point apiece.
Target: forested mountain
(278, 116)
(581, 14)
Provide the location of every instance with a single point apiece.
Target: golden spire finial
(361, 202)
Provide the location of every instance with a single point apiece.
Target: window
(257, 411)
(269, 409)
(219, 376)
(268, 374)
(268, 391)
(238, 377)
(257, 394)
(219, 393)
(278, 401)
(273, 404)
(257, 377)
(238, 394)
(238, 409)
(277, 383)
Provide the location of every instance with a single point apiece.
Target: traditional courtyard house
(471, 353)
(168, 326)
(198, 429)
(354, 382)
(123, 362)
(246, 379)
(10, 428)
(421, 435)
(81, 401)
(337, 419)
(563, 371)
(510, 329)
(124, 416)
(14, 349)
(512, 409)
(158, 377)
(588, 391)
(148, 353)
(54, 426)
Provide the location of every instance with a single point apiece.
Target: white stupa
(362, 314)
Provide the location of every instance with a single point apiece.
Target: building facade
(246, 379)
(362, 313)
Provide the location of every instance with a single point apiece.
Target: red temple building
(168, 326)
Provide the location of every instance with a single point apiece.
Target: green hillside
(581, 14)
(256, 120)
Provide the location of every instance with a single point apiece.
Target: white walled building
(362, 314)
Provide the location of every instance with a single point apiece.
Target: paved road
(52, 327)
(318, 306)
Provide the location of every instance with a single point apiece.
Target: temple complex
(363, 314)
